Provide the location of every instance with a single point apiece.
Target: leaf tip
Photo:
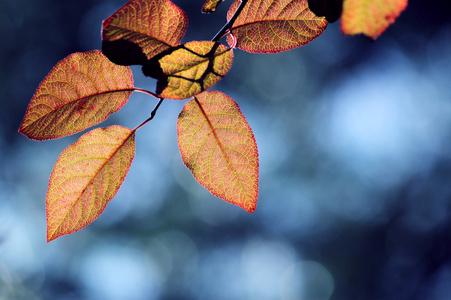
(51, 234)
(50, 238)
(251, 208)
(20, 130)
(249, 204)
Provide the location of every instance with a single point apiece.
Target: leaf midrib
(91, 180)
(222, 148)
(55, 109)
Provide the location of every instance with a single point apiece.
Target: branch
(146, 92)
(229, 24)
(152, 114)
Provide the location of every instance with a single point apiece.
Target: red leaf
(218, 146)
(190, 69)
(141, 29)
(274, 26)
(86, 176)
(82, 90)
(370, 17)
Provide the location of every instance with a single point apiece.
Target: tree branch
(146, 92)
(152, 114)
(229, 24)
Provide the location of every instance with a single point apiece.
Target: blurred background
(354, 139)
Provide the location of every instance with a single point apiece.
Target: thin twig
(152, 114)
(229, 24)
(146, 92)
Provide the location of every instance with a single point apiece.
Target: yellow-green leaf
(141, 29)
(86, 176)
(210, 6)
(189, 69)
(218, 146)
(82, 90)
(274, 26)
(370, 17)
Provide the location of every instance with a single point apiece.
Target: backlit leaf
(210, 6)
(141, 29)
(86, 176)
(189, 69)
(218, 146)
(274, 26)
(370, 17)
(82, 90)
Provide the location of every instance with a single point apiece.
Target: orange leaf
(210, 6)
(274, 26)
(82, 90)
(141, 29)
(189, 69)
(86, 176)
(219, 148)
(370, 17)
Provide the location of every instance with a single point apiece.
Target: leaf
(330, 9)
(189, 69)
(210, 6)
(274, 26)
(141, 29)
(82, 90)
(86, 176)
(370, 17)
(218, 146)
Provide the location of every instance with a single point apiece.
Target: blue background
(354, 139)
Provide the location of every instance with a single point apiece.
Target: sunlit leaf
(274, 26)
(82, 90)
(86, 176)
(370, 17)
(210, 6)
(141, 29)
(219, 148)
(189, 69)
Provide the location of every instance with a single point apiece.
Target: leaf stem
(146, 92)
(229, 24)
(152, 114)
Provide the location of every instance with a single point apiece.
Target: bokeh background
(354, 138)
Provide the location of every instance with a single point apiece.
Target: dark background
(355, 171)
